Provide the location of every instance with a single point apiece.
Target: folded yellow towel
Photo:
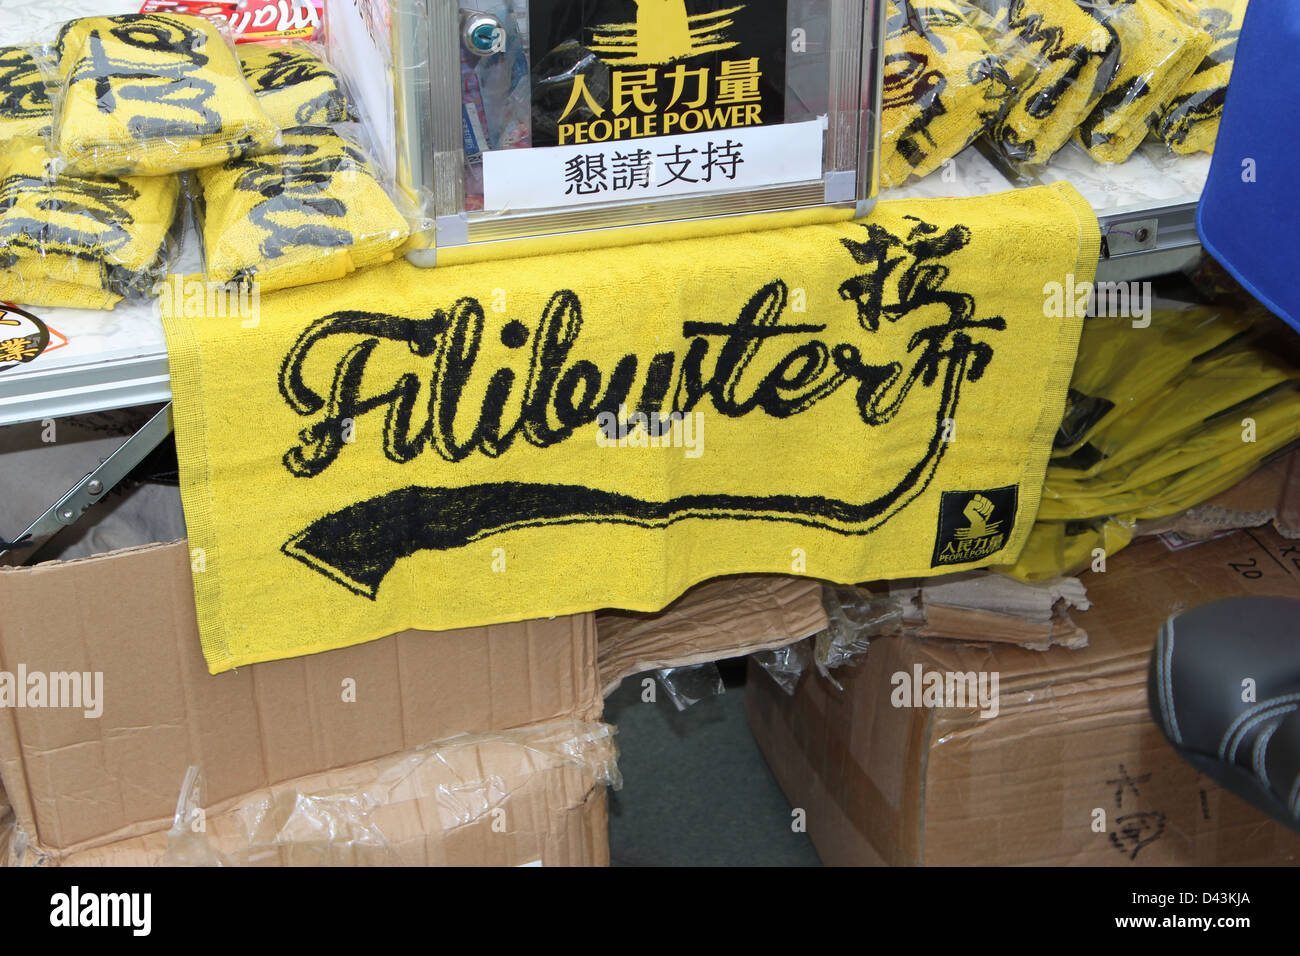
(1170, 418)
(942, 88)
(152, 94)
(76, 240)
(1163, 43)
(1061, 54)
(1191, 123)
(294, 85)
(1121, 368)
(24, 104)
(308, 211)
(1167, 480)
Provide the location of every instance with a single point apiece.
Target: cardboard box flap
(726, 617)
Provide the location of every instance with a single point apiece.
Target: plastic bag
(1191, 122)
(1062, 56)
(942, 87)
(1116, 372)
(148, 94)
(25, 108)
(81, 241)
(294, 84)
(1164, 45)
(308, 211)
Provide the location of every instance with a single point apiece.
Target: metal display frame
(430, 140)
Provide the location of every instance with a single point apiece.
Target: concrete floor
(696, 789)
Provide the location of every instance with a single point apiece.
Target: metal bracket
(91, 489)
(1132, 236)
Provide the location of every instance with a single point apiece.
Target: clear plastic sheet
(82, 241)
(687, 686)
(786, 665)
(310, 210)
(857, 617)
(942, 87)
(149, 94)
(378, 813)
(294, 84)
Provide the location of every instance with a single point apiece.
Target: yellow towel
(309, 211)
(1061, 54)
(440, 448)
(1191, 123)
(1057, 548)
(24, 104)
(942, 87)
(1167, 420)
(294, 85)
(1120, 368)
(80, 241)
(1164, 45)
(151, 94)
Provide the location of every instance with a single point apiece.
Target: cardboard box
(529, 797)
(1071, 770)
(129, 615)
(77, 783)
(725, 617)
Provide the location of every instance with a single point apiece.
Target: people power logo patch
(973, 525)
(22, 337)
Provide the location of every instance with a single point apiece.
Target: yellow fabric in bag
(942, 87)
(25, 108)
(68, 240)
(152, 93)
(1167, 44)
(1061, 54)
(1190, 460)
(505, 440)
(308, 211)
(1205, 389)
(1191, 122)
(1056, 548)
(1121, 367)
(293, 84)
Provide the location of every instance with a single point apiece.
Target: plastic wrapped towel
(25, 108)
(1168, 44)
(1112, 378)
(309, 211)
(1191, 123)
(77, 241)
(293, 84)
(942, 88)
(1062, 54)
(152, 94)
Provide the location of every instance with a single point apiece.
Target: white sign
(653, 167)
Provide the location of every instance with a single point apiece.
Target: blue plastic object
(1249, 214)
